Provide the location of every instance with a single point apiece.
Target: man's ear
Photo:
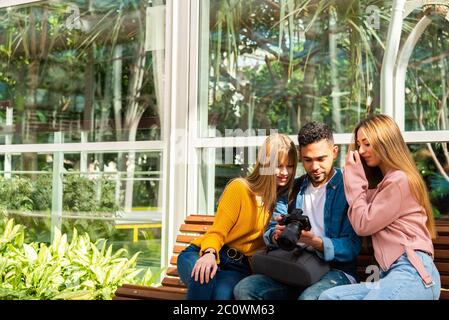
(299, 155)
(334, 152)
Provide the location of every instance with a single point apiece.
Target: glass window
(279, 64)
(84, 72)
(82, 67)
(220, 165)
(105, 200)
(427, 82)
(432, 161)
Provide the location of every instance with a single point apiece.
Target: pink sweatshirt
(389, 213)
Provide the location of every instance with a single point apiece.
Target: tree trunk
(28, 131)
(134, 112)
(307, 98)
(336, 108)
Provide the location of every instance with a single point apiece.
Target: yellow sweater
(239, 222)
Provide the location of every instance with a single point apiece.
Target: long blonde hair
(277, 149)
(387, 143)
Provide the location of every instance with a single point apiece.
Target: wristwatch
(211, 251)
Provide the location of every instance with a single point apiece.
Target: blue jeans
(400, 282)
(221, 287)
(262, 287)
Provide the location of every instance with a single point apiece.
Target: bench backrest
(193, 227)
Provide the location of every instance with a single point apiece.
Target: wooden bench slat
(441, 254)
(173, 272)
(442, 221)
(442, 230)
(149, 293)
(125, 298)
(172, 282)
(198, 228)
(444, 295)
(185, 239)
(441, 241)
(199, 219)
(167, 289)
(444, 281)
(178, 248)
(174, 260)
(443, 267)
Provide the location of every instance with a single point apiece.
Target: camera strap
(292, 196)
(291, 205)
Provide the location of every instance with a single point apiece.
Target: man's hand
(205, 268)
(310, 239)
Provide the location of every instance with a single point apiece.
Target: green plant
(20, 194)
(16, 193)
(75, 269)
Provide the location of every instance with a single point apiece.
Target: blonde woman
(395, 212)
(213, 264)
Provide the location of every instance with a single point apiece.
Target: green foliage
(42, 192)
(75, 269)
(16, 193)
(92, 198)
(440, 186)
(437, 185)
(272, 66)
(80, 194)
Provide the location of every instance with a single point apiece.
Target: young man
(321, 197)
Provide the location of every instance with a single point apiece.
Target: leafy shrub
(81, 194)
(75, 269)
(16, 193)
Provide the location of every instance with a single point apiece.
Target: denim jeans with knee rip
(400, 282)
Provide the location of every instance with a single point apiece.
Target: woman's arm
(227, 214)
(370, 217)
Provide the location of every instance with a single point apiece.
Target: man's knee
(310, 294)
(241, 291)
(326, 295)
(247, 288)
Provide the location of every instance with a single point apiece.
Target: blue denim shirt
(341, 243)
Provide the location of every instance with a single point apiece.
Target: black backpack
(300, 267)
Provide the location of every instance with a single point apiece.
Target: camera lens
(289, 237)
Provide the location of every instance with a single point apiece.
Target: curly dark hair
(313, 132)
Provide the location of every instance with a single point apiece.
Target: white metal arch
(395, 62)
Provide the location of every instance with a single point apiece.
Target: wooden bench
(172, 288)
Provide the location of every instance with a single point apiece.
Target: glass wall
(427, 84)
(279, 64)
(85, 96)
(275, 65)
(84, 67)
(79, 73)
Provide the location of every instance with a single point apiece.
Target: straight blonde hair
(387, 143)
(276, 150)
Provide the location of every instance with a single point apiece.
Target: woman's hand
(355, 180)
(205, 268)
(278, 229)
(353, 158)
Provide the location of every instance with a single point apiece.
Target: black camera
(294, 223)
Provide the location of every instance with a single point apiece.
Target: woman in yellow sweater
(213, 264)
